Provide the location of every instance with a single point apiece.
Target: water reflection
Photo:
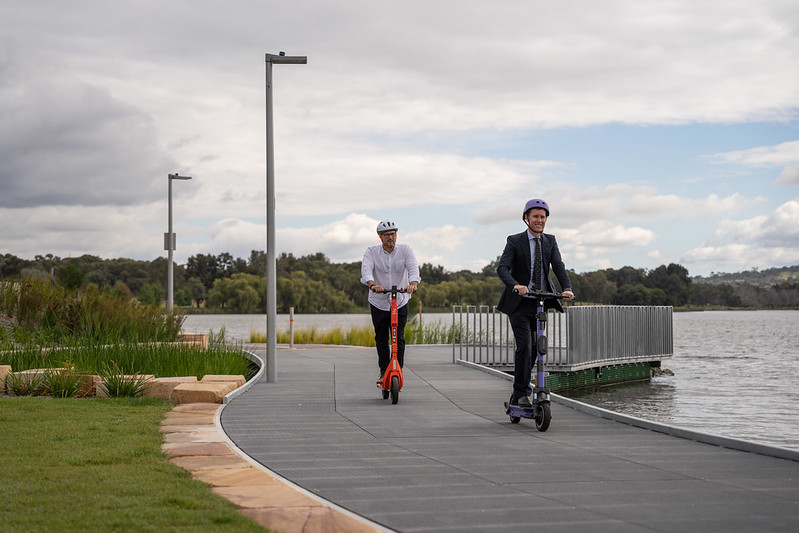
(733, 375)
(655, 400)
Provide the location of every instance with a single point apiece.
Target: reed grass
(62, 382)
(25, 384)
(158, 359)
(118, 384)
(47, 314)
(53, 328)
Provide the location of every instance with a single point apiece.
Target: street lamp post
(271, 266)
(169, 244)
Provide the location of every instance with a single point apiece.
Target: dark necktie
(537, 267)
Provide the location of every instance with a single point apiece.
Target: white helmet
(386, 225)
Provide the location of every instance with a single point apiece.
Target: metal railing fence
(582, 337)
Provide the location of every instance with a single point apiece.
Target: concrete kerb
(255, 379)
(675, 431)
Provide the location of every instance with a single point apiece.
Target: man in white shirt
(386, 265)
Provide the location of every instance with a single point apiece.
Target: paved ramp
(447, 458)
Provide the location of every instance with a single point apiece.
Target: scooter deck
(523, 412)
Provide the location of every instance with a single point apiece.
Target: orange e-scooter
(392, 377)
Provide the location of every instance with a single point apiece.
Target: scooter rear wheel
(394, 389)
(543, 415)
(385, 394)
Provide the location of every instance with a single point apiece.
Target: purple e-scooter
(540, 410)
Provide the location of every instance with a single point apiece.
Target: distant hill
(760, 278)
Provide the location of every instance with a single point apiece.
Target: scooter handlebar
(541, 294)
(386, 291)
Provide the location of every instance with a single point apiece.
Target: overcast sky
(658, 132)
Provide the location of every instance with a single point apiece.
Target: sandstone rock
(199, 339)
(203, 392)
(237, 380)
(163, 387)
(4, 371)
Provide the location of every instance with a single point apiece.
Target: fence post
(291, 327)
(460, 331)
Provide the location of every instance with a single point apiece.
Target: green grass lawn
(96, 465)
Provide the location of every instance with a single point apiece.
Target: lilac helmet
(535, 204)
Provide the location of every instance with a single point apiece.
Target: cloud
(607, 236)
(72, 231)
(573, 205)
(236, 237)
(69, 143)
(762, 156)
(785, 155)
(446, 238)
(762, 240)
(789, 176)
(593, 244)
(341, 241)
(780, 228)
(346, 240)
(736, 257)
(437, 115)
(552, 67)
(384, 177)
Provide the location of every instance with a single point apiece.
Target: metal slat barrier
(583, 337)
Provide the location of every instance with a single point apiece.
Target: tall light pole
(169, 244)
(271, 266)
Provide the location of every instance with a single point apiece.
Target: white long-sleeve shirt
(388, 269)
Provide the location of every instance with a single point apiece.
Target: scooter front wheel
(543, 415)
(394, 389)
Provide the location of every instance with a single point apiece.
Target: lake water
(735, 372)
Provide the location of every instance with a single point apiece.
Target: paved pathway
(446, 457)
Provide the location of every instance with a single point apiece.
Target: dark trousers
(524, 332)
(382, 323)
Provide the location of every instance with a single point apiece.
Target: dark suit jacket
(514, 269)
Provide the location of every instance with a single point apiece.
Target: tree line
(314, 284)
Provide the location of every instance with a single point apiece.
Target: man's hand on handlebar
(523, 290)
(410, 289)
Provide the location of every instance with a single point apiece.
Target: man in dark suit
(516, 269)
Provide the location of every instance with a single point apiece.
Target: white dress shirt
(388, 269)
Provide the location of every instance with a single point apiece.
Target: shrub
(61, 382)
(117, 384)
(25, 384)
